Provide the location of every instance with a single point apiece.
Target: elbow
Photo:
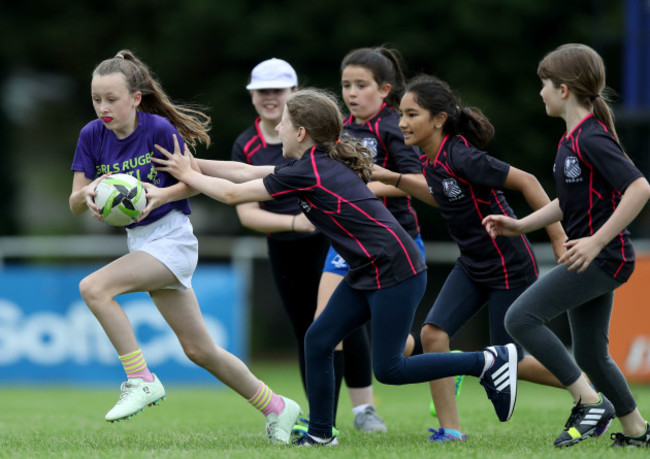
(646, 188)
(231, 198)
(531, 178)
(643, 189)
(75, 209)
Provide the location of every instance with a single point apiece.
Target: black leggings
(297, 265)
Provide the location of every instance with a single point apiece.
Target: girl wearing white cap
(296, 251)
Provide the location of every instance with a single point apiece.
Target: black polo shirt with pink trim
(382, 136)
(465, 183)
(360, 228)
(591, 173)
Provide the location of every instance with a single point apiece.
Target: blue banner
(48, 335)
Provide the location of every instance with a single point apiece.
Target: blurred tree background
(203, 52)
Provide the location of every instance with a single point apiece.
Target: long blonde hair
(192, 124)
(318, 112)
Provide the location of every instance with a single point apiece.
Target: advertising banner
(49, 336)
(630, 326)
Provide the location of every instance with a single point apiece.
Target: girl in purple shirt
(386, 279)
(134, 114)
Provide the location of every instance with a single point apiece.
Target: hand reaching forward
(177, 164)
(500, 225)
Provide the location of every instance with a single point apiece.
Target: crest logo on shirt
(370, 144)
(451, 189)
(572, 170)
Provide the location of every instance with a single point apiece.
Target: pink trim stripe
(259, 131)
(340, 201)
(576, 148)
(476, 202)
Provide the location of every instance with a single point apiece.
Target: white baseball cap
(273, 74)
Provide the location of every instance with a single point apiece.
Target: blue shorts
(334, 263)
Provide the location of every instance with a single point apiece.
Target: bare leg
(409, 346)
(633, 424)
(181, 311)
(529, 369)
(443, 391)
(581, 391)
(134, 272)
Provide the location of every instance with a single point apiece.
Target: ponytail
(192, 124)
(436, 96)
(351, 152)
(472, 124)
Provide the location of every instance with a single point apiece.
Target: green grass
(207, 422)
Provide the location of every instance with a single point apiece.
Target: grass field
(207, 422)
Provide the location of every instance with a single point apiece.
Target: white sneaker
(135, 395)
(278, 427)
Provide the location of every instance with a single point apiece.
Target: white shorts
(170, 240)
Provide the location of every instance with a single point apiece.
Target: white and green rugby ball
(120, 198)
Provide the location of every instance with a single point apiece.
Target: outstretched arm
(500, 225)
(180, 166)
(258, 219)
(536, 198)
(413, 184)
(234, 171)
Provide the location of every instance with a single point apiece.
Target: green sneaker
(459, 382)
(302, 426)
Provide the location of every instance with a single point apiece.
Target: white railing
(234, 248)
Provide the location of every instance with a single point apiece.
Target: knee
(197, 354)
(387, 375)
(434, 339)
(91, 292)
(315, 344)
(513, 322)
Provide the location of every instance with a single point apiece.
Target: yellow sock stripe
(135, 367)
(574, 432)
(131, 355)
(262, 398)
(133, 362)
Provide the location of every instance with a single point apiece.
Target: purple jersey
(465, 183)
(99, 152)
(251, 148)
(591, 172)
(382, 136)
(359, 227)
